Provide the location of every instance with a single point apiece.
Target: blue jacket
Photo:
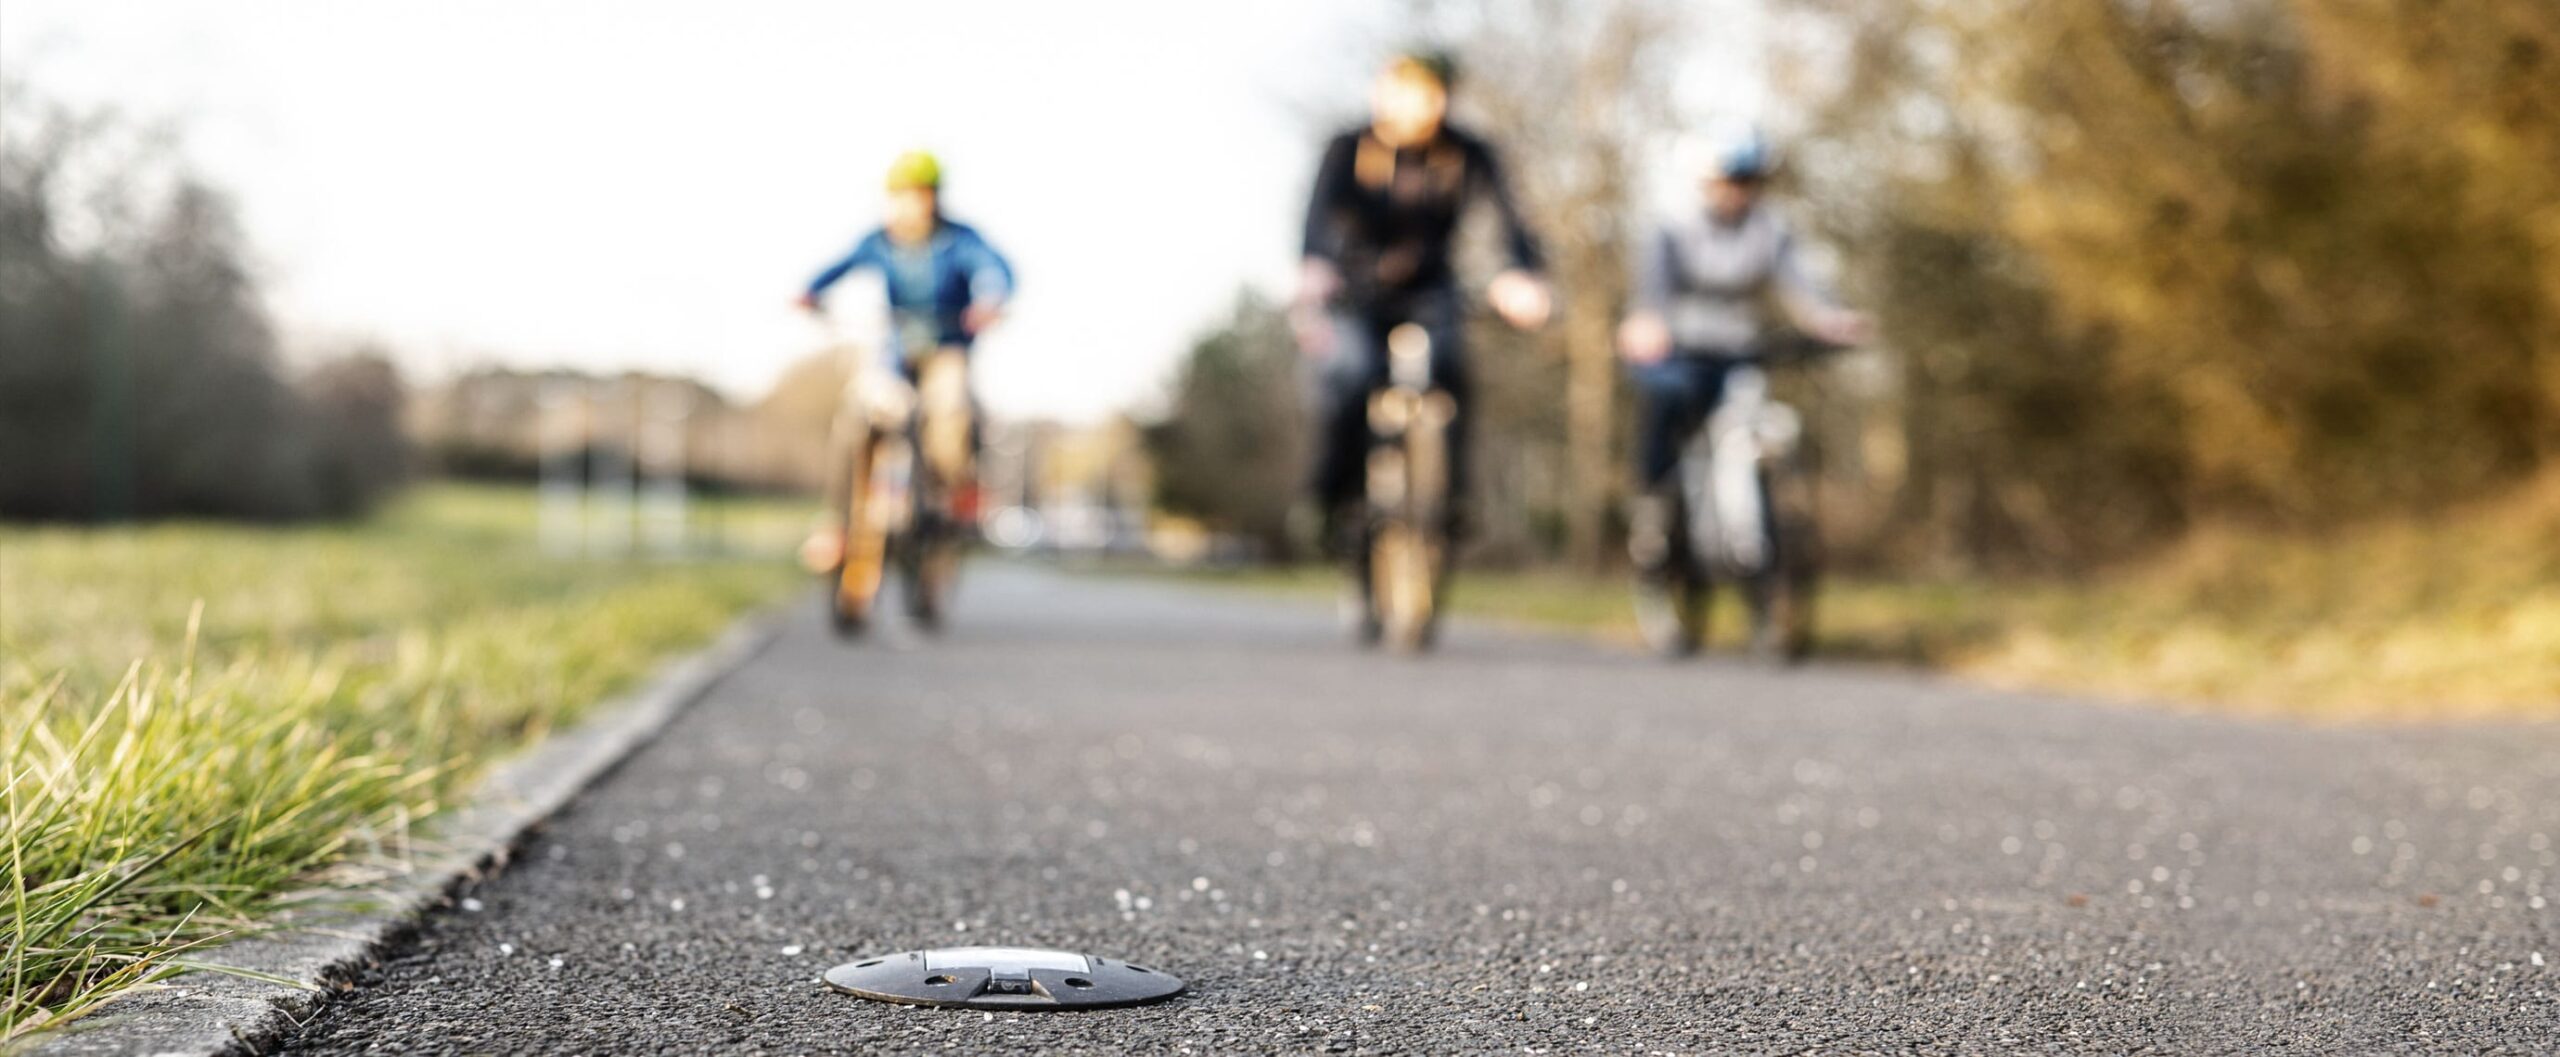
(930, 286)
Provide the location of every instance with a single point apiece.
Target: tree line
(141, 376)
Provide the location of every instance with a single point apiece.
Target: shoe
(1768, 645)
(1658, 619)
(1359, 618)
(1651, 520)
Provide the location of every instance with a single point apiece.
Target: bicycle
(1400, 563)
(897, 494)
(1743, 510)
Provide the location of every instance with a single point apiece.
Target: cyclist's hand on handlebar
(1521, 299)
(1843, 328)
(809, 303)
(1313, 330)
(1644, 338)
(982, 315)
(1318, 282)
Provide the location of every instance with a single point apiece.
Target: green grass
(2452, 617)
(202, 719)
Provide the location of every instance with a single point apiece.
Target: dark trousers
(1358, 367)
(1673, 398)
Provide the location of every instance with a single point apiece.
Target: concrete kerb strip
(324, 941)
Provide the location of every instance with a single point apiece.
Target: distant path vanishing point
(1519, 844)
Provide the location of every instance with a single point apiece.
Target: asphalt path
(1521, 844)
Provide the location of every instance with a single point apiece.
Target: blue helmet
(1748, 158)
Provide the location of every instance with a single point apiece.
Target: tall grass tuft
(200, 720)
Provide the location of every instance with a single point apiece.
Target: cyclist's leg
(823, 550)
(1673, 398)
(1342, 386)
(942, 395)
(824, 547)
(1668, 407)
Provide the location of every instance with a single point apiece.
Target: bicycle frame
(1416, 471)
(1723, 470)
(898, 442)
(1404, 551)
(1744, 504)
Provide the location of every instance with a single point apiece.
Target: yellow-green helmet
(916, 170)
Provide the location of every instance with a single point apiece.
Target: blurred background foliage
(1230, 452)
(2141, 267)
(2151, 276)
(2150, 265)
(142, 376)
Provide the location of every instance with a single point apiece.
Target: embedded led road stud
(1016, 978)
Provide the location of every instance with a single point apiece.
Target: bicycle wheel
(929, 551)
(855, 588)
(1359, 606)
(1404, 586)
(1410, 561)
(1783, 593)
(932, 571)
(1378, 546)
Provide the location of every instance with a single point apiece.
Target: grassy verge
(200, 719)
(2457, 616)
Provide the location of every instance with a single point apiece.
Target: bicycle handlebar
(1793, 347)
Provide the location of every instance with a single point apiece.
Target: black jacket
(1386, 217)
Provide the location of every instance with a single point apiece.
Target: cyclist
(946, 285)
(1703, 286)
(1388, 199)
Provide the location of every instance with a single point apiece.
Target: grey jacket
(1712, 282)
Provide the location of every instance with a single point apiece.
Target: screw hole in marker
(938, 980)
(1078, 981)
(869, 964)
(1135, 967)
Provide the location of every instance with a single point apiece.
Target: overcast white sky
(604, 183)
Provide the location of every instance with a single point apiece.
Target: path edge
(325, 939)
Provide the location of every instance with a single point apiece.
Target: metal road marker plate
(1018, 978)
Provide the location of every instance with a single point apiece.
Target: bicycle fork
(1726, 484)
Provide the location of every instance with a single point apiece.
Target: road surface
(1522, 844)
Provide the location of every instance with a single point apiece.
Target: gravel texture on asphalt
(1520, 844)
